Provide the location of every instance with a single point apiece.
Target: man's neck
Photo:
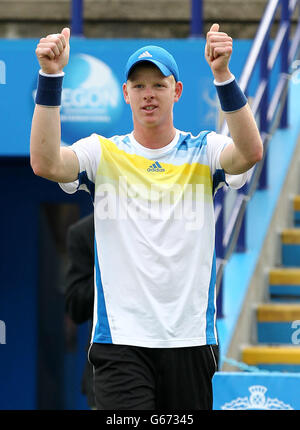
(154, 138)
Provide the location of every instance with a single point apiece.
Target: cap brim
(164, 70)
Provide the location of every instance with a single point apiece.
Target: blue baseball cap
(156, 55)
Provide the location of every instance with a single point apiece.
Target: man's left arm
(246, 149)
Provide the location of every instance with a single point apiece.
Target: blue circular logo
(91, 98)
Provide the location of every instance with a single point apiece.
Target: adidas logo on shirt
(156, 167)
(145, 54)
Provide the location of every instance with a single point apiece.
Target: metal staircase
(278, 319)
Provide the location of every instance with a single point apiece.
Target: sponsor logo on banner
(256, 400)
(91, 98)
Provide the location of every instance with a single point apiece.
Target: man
(79, 292)
(154, 307)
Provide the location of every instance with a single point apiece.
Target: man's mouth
(149, 108)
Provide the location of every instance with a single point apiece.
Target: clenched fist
(218, 51)
(53, 52)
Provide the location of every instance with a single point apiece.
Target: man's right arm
(48, 159)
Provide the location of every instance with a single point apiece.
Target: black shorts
(138, 378)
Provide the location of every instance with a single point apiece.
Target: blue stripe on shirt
(102, 329)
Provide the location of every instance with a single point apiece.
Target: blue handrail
(271, 113)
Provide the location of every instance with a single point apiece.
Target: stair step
(286, 276)
(290, 239)
(297, 210)
(284, 284)
(297, 203)
(291, 236)
(277, 323)
(269, 312)
(275, 358)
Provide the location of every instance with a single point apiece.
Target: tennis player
(154, 341)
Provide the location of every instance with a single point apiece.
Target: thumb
(66, 32)
(214, 27)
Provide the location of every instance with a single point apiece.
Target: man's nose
(148, 93)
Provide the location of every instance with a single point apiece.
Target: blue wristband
(231, 96)
(49, 90)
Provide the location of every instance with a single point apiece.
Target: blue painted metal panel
(275, 332)
(256, 390)
(18, 301)
(297, 218)
(23, 193)
(285, 290)
(291, 255)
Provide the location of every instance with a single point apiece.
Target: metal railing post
(196, 23)
(219, 200)
(241, 244)
(220, 313)
(263, 110)
(284, 52)
(77, 18)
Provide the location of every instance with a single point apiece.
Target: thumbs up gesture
(218, 51)
(53, 52)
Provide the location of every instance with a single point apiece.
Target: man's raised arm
(48, 159)
(247, 148)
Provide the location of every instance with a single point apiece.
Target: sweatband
(231, 96)
(49, 90)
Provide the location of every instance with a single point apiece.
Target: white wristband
(225, 82)
(51, 75)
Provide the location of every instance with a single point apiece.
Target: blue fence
(196, 22)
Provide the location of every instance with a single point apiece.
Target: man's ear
(125, 94)
(178, 90)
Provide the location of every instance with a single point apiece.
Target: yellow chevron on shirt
(116, 163)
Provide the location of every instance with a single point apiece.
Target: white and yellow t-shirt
(155, 265)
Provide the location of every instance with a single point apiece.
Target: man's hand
(53, 52)
(218, 51)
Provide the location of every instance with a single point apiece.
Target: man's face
(151, 95)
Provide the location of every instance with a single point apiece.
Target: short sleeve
(88, 151)
(215, 145)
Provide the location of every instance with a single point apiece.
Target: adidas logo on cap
(145, 54)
